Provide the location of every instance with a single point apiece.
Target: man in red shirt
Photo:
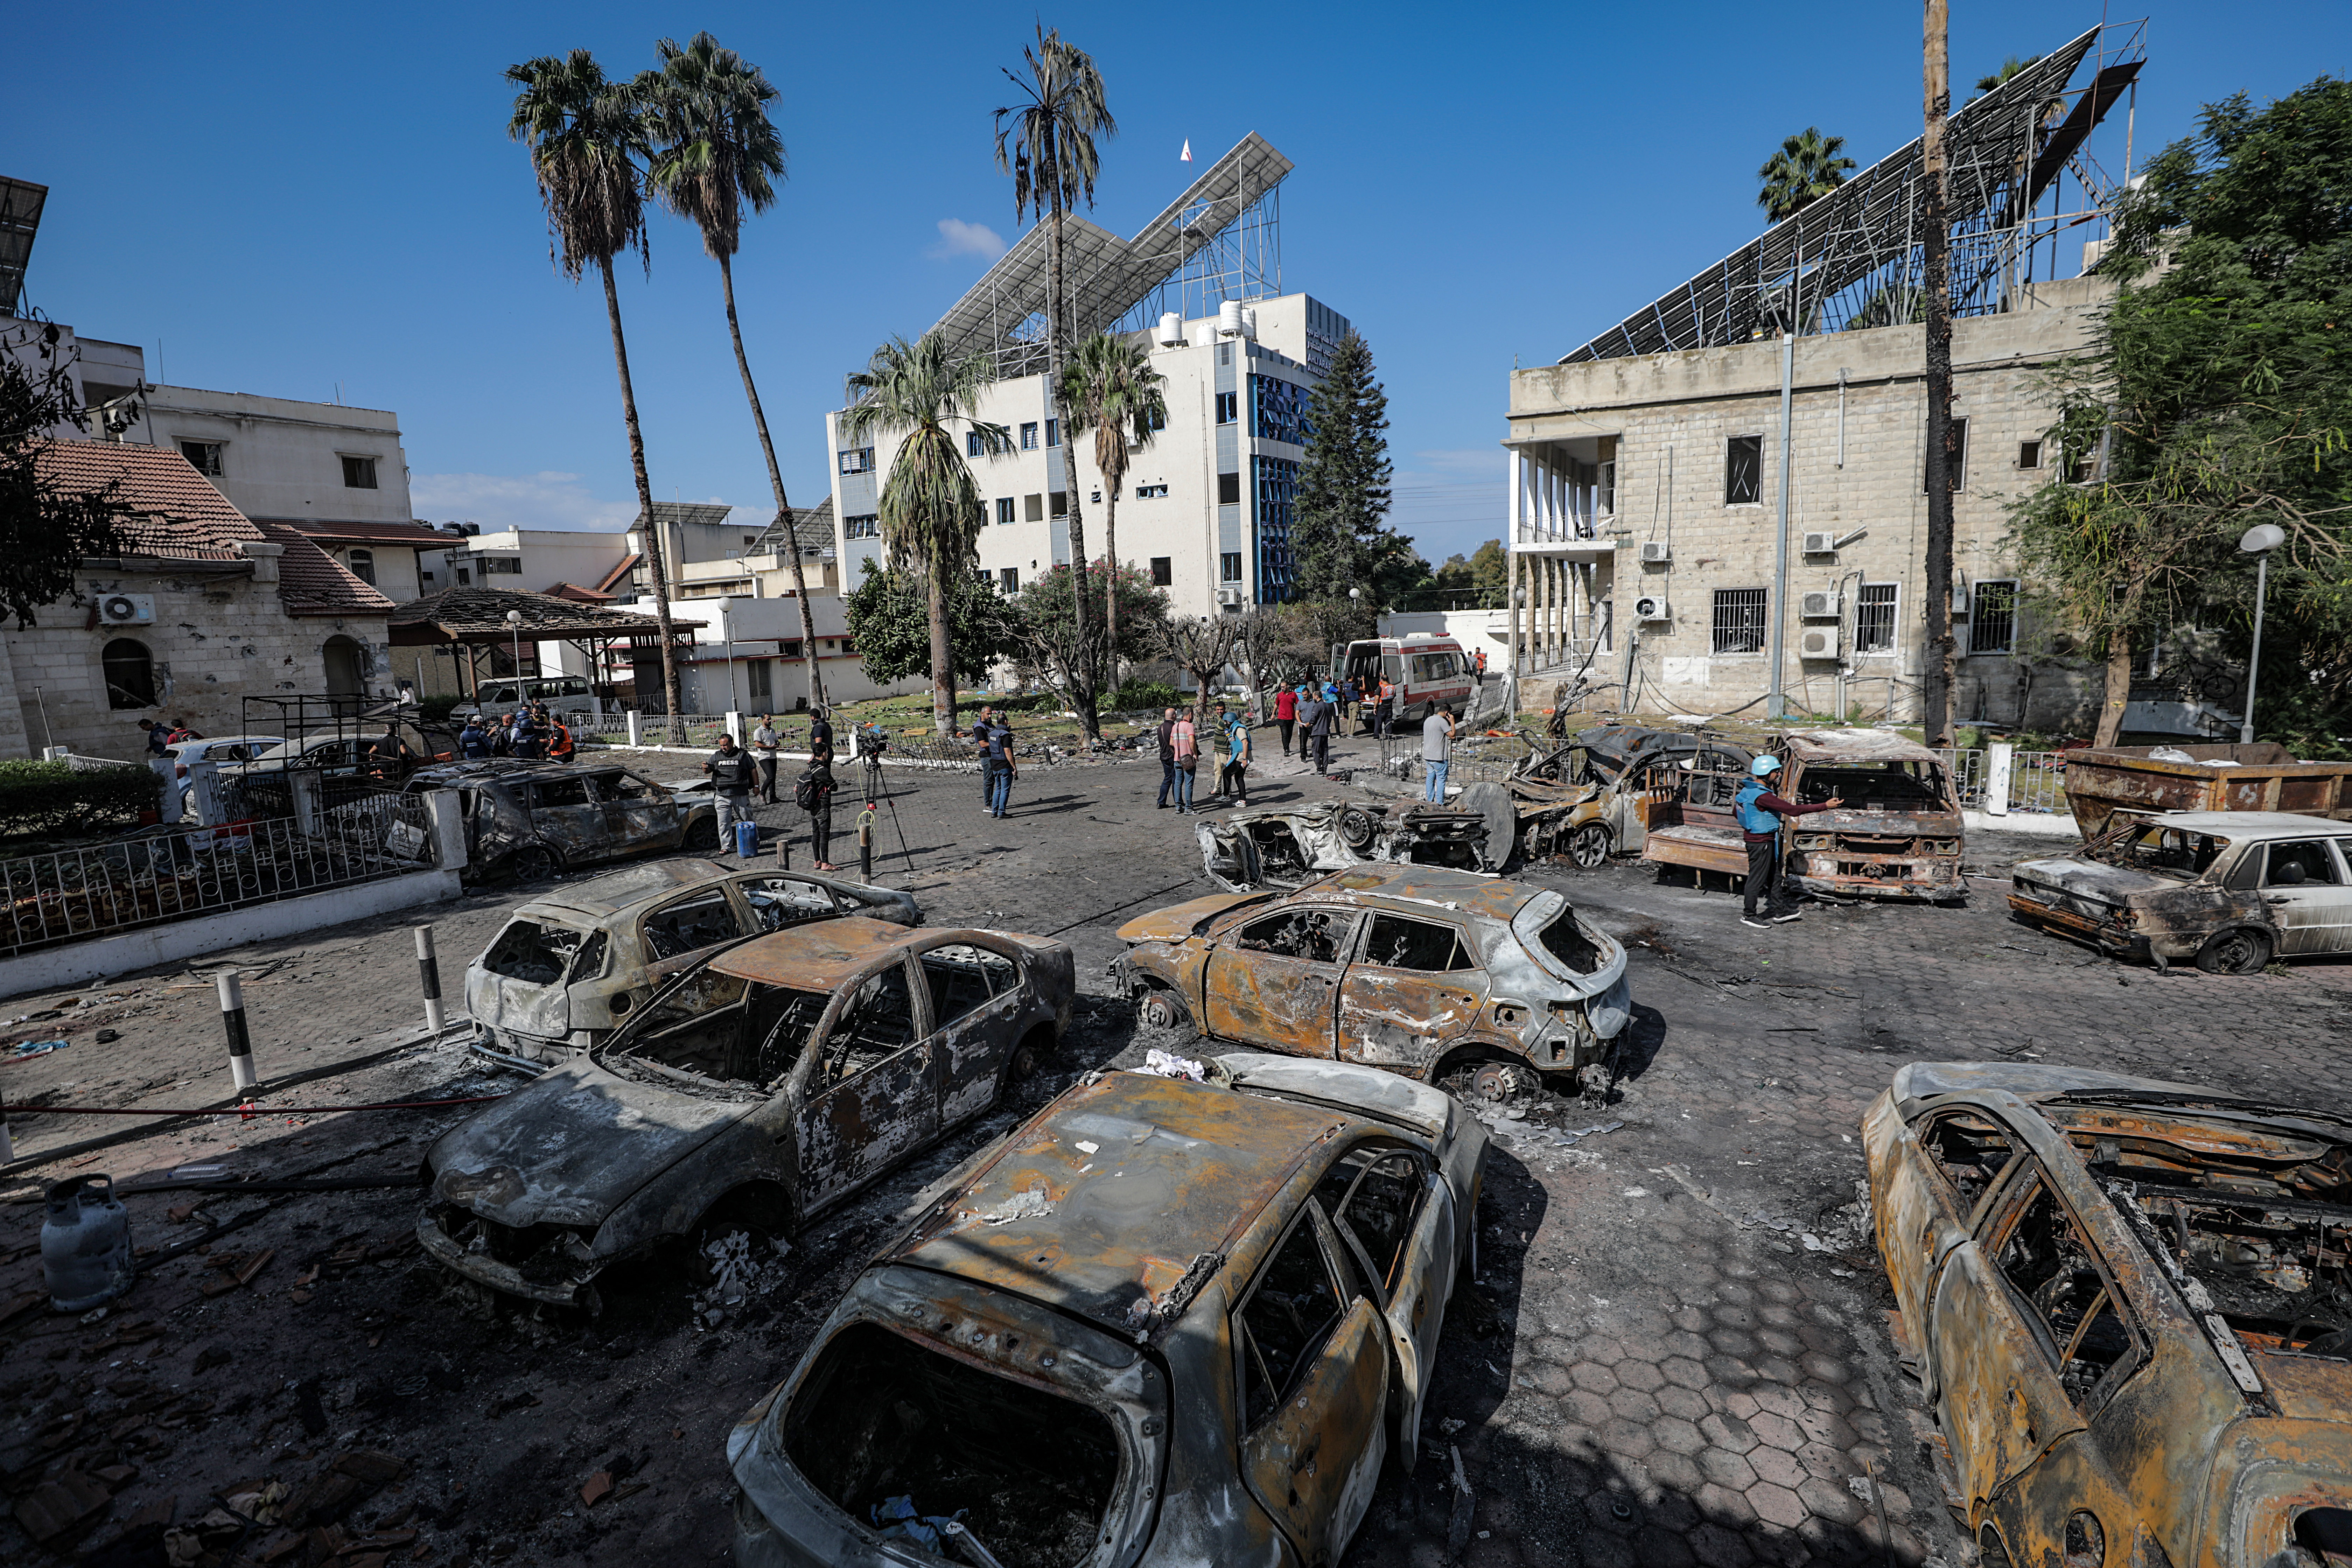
(1285, 713)
(1760, 814)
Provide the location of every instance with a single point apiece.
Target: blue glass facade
(1275, 486)
(1278, 410)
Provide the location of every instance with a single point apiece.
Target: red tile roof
(172, 510)
(613, 577)
(314, 583)
(585, 595)
(411, 533)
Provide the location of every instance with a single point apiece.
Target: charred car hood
(2109, 884)
(571, 1147)
(1177, 921)
(1925, 1080)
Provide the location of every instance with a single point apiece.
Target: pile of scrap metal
(1289, 849)
(1592, 795)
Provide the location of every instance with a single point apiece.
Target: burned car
(759, 1086)
(2230, 889)
(569, 966)
(1291, 849)
(1435, 974)
(1600, 792)
(1165, 1322)
(2131, 1306)
(535, 819)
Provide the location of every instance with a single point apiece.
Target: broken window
(965, 979)
(1743, 470)
(1290, 1311)
(783, 1022)
(1884, 786)
(781, 902)
(625, 786)
(878, 1022)
(1967, 1151)
(2299, 861)
(1400, 944)
(2053, 1272)
(700, 921)
(1315, 935)
(550, 794)
(1565, 939)
(1371, 1194)
(695, 1025)
(589, 963)
(533, 952)
(2171, 852)
(879, 1418)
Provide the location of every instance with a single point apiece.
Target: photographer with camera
(814, 792)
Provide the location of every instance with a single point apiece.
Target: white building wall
(282, 459)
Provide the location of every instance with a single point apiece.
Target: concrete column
(1999, 757)
(303, 783)
(171, 801)
(735, 725)
(633, 740)
(449, 828)
(204, 782)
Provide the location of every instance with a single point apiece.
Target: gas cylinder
(86, 1245)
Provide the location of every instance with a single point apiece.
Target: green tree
(1049, 624)
(930, 511)
(1807, 167)
(586, 136)
(1340, 537)
(1046, 141)
(714, 153)
(891, 620)
(2009, 67)
(1110, 387)
(45, 527)
(2218, 396)
(1490, 565)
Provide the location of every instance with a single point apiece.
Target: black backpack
(811, 788)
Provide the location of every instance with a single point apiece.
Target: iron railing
(2037, 780)
(171, 874)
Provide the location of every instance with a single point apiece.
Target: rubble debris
(1290, 848)
(1163, 1064)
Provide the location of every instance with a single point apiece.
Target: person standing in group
(158, 738)
(522, 737)
(1317, 716)
(560, 747)
(1479, 664)
(1212, 737)
(765, 745)
(1760, 813)
(987, 779)
(1183, 745)
(1236, 771)
(1437, 749)
(1367, 707)
(473, 740)
(730, 768)
(1285, 713)
(1001, 769)
(814, 793)
(1167, 758)
(1384, 715)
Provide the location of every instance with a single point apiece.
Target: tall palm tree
(930, 511)
(1048, 143)
(2009, 67)
(1806, 168)
(586, 136)
(1111, 388)
(715, 154)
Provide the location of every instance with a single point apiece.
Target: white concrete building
(1206, 508)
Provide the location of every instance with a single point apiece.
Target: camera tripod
(877, 795)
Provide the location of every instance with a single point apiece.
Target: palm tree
(2009, 68)
(715, 152)
(931, 511)
(586, 136)
(1805, 169)
(1047, 143)
(1111, 388)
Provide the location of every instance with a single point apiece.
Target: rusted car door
(2001, 1399)
(873, 1094)
(2308, 894)
(1395, 1214)
(975, 999)
(1274, 981)
(1314, 1376)
(1941, 1170)
(639, 812)
(1415, 987)
(567, 817)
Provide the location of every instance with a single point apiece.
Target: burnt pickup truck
(1897, 834)
(2230, 889)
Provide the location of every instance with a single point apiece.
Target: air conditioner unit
(1820, 605)
(1959, 594)
(1650, 607)
(1821, 545)
(1818, 642)
(1229, 596)
(1656, 553)
(126, 609)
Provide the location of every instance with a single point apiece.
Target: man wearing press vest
(1760, 813)
(730, 768)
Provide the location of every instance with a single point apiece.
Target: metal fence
(2037, 780)
(171, 874)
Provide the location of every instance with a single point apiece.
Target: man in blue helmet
(1760, 812)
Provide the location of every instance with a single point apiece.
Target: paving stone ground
(1652, 1365)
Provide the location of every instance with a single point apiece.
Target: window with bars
(1004, 509)
(1743, 472)
(1739, 620)
(1874, 618)
(1993, 617)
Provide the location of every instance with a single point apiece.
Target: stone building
(203, 608)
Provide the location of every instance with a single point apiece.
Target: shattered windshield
(532, 951)
(724, 1028)
(1881, 786)
(2168, 852)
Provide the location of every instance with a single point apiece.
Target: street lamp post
(514, 637)
(2257, 542)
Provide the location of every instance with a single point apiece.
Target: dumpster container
(2261, 776)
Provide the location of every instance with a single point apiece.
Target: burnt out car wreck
(1288, 849)
(759, 1086)
(1164, 1322)
(2130, 1304)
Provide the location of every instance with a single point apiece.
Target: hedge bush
(1136, 694)
(58, 797)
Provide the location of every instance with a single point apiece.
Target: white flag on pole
(1188, 152)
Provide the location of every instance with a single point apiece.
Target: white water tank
(1229, 318)
(1171, 329)
(1249, 323)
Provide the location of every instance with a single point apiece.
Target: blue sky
(291, 201)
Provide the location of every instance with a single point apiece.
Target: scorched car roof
(607, 895)
(1856, 746)
(821, 956)
(1387, 881)
(1102, 1204)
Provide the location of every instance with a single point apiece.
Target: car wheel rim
(1591, 848)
